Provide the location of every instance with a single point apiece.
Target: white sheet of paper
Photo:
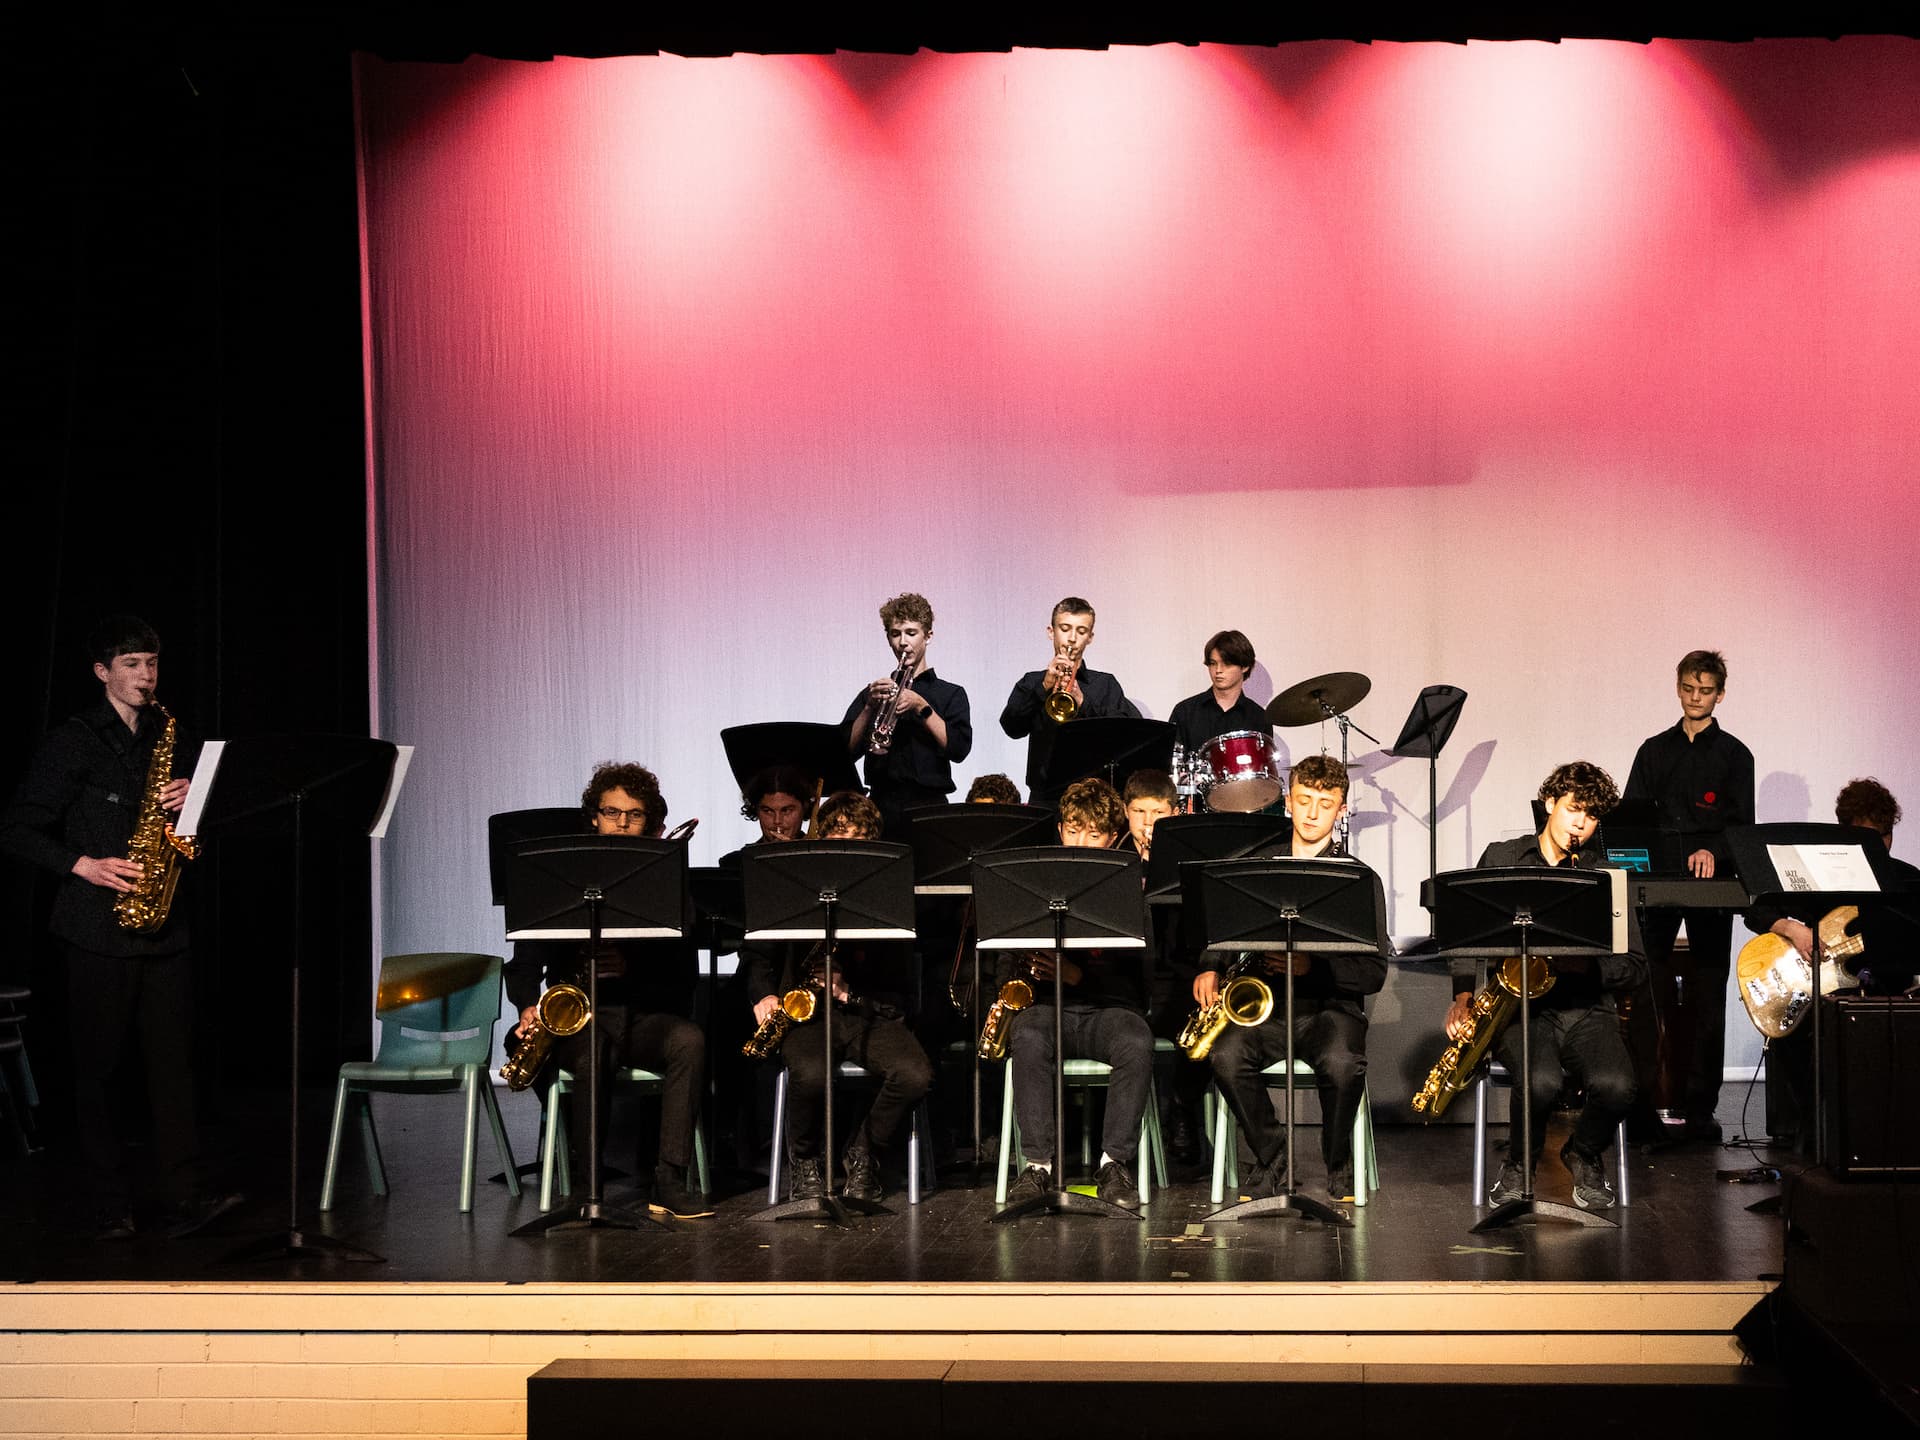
(400, 763)
(1822, 867)
(188, 825)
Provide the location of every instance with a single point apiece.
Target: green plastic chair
(437, 1014)
(1225, 1131)
(556, 1172)
(1083, 1075)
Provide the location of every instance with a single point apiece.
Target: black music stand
(1754, 858)
(945, 838)
(829, 891)
(1113, 746)
(1048, 897)
(1220, 835)
(1308, 907)
(816, 750)
(593, 888)
(1436, 710)
(264, 784)
(1474, 915)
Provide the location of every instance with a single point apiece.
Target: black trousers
(1331, 1036)
(1586, 1045)
(1113, 1034)
(883, 1047)
(669, 1045)
(1704, 980)
(113, 1001)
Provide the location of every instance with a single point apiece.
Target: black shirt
(1100, 694)
(1329, 976)
(1572, 989)
(81, 797)
(1702, 785)
(649, 976)
(1199, 718)
(914, 759)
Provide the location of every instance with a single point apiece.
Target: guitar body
(1776, 985)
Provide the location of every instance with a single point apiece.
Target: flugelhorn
(562, 1011)
(1059, 702)
(1243, 1000)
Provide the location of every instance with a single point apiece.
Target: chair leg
(492, 1102)
(1006, 1137)
(1366, 1178)
(340, 1098)
(1222, 1146)
(1480, 1139)
(1159, 1140)
(913, 1158)
(774, 1160)
(553, 1149)
(370, 1143)
(471, 1141)
(1620, 1162)
(700, 1159)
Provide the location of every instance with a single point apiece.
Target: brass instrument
(562, 1011)
(797, 1007)
(880, 736)
(1492, 1009)
(154, 847)
(1244, 999)
(1059, 703)
(1015, 996)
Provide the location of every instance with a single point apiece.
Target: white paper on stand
(188, 825)
(1822, 867)
(400, 763)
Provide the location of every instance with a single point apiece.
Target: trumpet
(1243, 1000)
(562, 1011)
(880, 737)
(797, 1007)
(1059, 703)
(1015, 996)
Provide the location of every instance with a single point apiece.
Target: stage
(152, 1337)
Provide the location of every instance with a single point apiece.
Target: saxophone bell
(563, 1011)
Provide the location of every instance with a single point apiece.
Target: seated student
(1329, 1016)
(995, 789)
(869, 1028)
(1150, 797)
(1576, 1029)
(778, 798)
(1870, 805)
(1103, 1018)
(646, 991)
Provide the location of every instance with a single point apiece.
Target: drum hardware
(1322, 698)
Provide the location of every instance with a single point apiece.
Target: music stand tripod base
(1290, 1204)
(1509, 1211)
(298, 1245)
(833, 1209)
(1064, 1202)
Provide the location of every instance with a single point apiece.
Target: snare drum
(1240, 772)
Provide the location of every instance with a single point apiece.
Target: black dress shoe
(1183, 1138)
(863, 1176)
(112, 1228)
(1115, 1185)
(192, 1216)
(672, 1196)
(1031, 1183)
(807, 1184)
(1703, 1132)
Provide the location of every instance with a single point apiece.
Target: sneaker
(1030, 1184)
(1265, 1180)
(671, 1196)
(1115, 1185)
(807, 1184)
(1590, 1188)
(863, 1176)
(1510, 1186)
(192, 1216)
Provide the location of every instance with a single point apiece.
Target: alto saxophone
(1015, 996)
(154, 847)
(797, 1007)
(563, 1011)
(1243, 1000)
(1492, 1009)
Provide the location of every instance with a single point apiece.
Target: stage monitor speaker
(1870, 1050)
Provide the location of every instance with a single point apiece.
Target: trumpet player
(1329, 1014)
(1576, 1030)
(868, 984)
(912, 726)
(1103, 1017)
(646, 992)
(1066, 689)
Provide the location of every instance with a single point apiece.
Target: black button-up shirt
(914, 760)
(1199, 718)
(1702, 785)
(1100, 694)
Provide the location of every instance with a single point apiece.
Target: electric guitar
(1776, 985)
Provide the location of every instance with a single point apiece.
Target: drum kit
(1239, 772)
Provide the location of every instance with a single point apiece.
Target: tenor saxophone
(1489, 1014)
(1244, 999)
(796, 1007)
(563, 1010)
(1015, 996)
(154, 847)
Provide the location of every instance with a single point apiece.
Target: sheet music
(1822, 867)
(188, 825)
(400, 762)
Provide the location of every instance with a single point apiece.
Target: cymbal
(1312, 701)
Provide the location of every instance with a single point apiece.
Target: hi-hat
(1320, 698)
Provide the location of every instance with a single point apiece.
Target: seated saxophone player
(98, 793)
(1150, 797)
(1102, 1017)
(911, 734)
(1066, 690)
(869, 984)
(1329, 1014)
(646, 992)
(1576, 1028)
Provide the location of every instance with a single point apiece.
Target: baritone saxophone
(1492, 1009)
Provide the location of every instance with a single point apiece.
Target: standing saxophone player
(912, 726)
(1041, 700)
(74, 815)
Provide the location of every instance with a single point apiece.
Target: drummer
(1223, 707)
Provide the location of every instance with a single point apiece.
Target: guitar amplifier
(1870, 1058)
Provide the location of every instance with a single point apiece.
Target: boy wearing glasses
(646, 991)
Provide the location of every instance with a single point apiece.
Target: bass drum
(1240, 772)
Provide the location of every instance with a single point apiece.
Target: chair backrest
(438, 1009)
